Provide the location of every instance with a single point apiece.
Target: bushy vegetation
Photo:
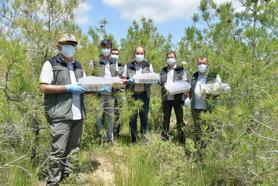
(241, 46)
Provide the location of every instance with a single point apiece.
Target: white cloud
(158, 10)
(82, 13)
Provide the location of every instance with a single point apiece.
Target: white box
(215, 88)
(177, 87)
(146, 78)
(95, 84)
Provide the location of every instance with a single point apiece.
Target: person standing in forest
(200, 96)
(139, 91)
(64, 106)
(169, 74)
(118, 105)
(106, 67)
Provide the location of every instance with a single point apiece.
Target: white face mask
(105, 51)
(171, 61)
(116, 57)
(202, 68)
(139, 57)
(68, 50)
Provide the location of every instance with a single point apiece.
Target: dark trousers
(198, 123)
(143, 114)
(117, 112)
(66, 139)
(167, 109)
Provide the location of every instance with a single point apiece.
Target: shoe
(164, 136)
(51, 183)
(145, 140)
(64, 176)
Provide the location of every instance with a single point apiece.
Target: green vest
(100, 67)
(178, 74)
(131, 71)
(121, 69)
(58, 106)
(210, 78)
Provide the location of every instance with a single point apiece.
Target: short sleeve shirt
(47, 77)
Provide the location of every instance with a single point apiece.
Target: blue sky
(168, 16)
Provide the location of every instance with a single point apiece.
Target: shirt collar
(172, 67)
(67, 63)
(104, 58)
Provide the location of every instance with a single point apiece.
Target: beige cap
(67, 38)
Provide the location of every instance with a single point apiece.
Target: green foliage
(242, 49)
(145, 34)
(158, 163)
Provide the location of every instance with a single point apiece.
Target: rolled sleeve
(184, 76)
(218, 79)
(46, 75)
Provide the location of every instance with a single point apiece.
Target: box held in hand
(95, 84)
(146, 78)
(216, 88)
(177, 87)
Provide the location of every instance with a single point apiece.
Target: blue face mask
(68, 50)
(139, 57)
(105, 51)
(116, 57)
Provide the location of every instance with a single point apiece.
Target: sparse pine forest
(242, 48)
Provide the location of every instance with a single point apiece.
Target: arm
(151, 68)
(117, 68)
(46, 79)
(217, 79)
(125, 76)
(53, 89)
(184, 77)
(160, 81)
(151, 71)
(190, 93)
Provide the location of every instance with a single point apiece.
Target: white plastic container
(215, 88)
(95, 84)
(146, 78)
(177, 87)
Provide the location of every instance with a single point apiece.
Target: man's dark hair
(115, 49)
(106, 42)
(171, 52)
(202, 58)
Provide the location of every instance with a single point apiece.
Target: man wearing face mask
(199, 103)
(64, 106)
(106, 67)
(169, 74)
(140, 91)
(118, 98)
